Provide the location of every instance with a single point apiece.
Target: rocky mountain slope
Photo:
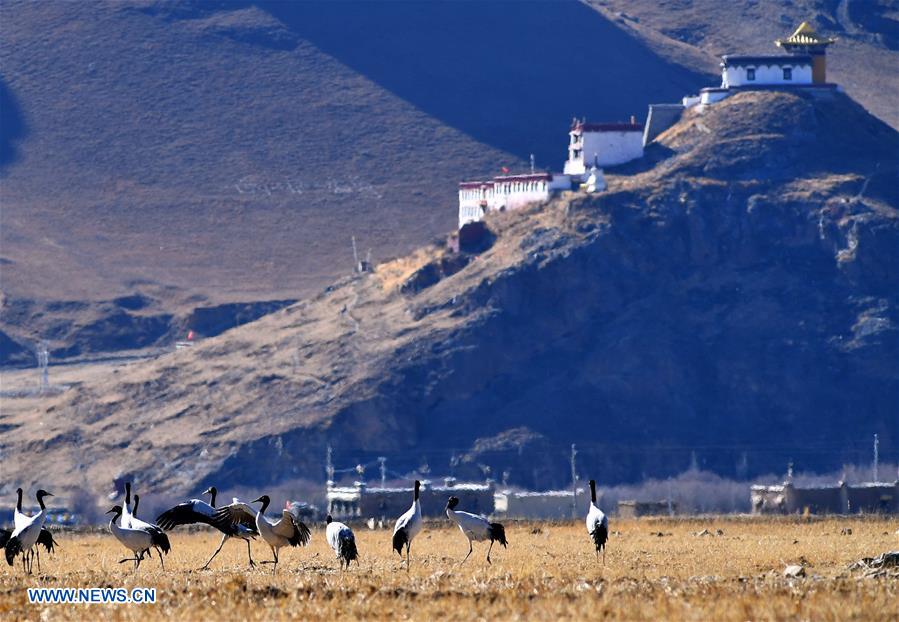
(213, 157)
(733, 296)
(198, 153)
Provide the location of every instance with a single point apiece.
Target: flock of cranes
(241, 521)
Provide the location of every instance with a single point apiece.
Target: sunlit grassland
(548, 571)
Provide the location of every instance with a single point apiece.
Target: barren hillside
(732, 295)
(199, 153)
(186, 156)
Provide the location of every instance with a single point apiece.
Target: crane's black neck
(212, 493)
(127, 494)
(265, 503)
(136, 503)
(19, 500)
(417, 488)
(40, 501)
(593, 491)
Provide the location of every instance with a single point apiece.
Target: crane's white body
(28, 529)
(597, 524)
(136, 540)
(596, 519)
(276, 534)
(137, 523)
(287, 531)
(342, 541)
(410, 521)
(335, 532)
(474, 527)
(408, 525)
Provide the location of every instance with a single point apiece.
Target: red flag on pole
(190, 335)
(505, 169)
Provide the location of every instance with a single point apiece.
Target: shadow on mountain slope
(12, 125)
(474, 69)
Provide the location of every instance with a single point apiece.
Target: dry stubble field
(548, 573)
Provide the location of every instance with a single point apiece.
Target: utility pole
(573, 481)
(383, 461)
(43, 361)
(329, 466)
(355, 256)
(532, 163)
(876, 457)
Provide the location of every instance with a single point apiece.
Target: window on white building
(788, 73)
(750, 73)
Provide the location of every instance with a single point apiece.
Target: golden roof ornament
(804, 36)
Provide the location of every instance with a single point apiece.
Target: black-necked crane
(288, 531)
(45, 538)
(408, 526)
(198, 511)
(26, 533)
(342, 540)
(597, 524)
(475, 527)
(130, 521)
(136, 539)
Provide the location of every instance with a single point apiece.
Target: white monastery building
(804, 65)
(602, 144)
(591, 146)
(476, 198)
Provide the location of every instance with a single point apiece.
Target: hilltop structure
(591, 146)
(602, 144)
(804, 66)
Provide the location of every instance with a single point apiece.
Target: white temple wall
(736, 75)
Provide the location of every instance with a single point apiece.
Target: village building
(540, 505)
(359, 502)
(630, 508)
(803, 66)
(786, 498)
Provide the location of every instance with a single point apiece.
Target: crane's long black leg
(488, 551)
(408, 555)
(249, 554)
(37, 552)
(470, 549)
(162, 563)
(221, 544)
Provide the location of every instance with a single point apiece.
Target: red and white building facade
(591, 147)
(505, 192)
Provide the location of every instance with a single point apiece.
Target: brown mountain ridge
(734, 295)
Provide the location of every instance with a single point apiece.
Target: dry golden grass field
(549, 572)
